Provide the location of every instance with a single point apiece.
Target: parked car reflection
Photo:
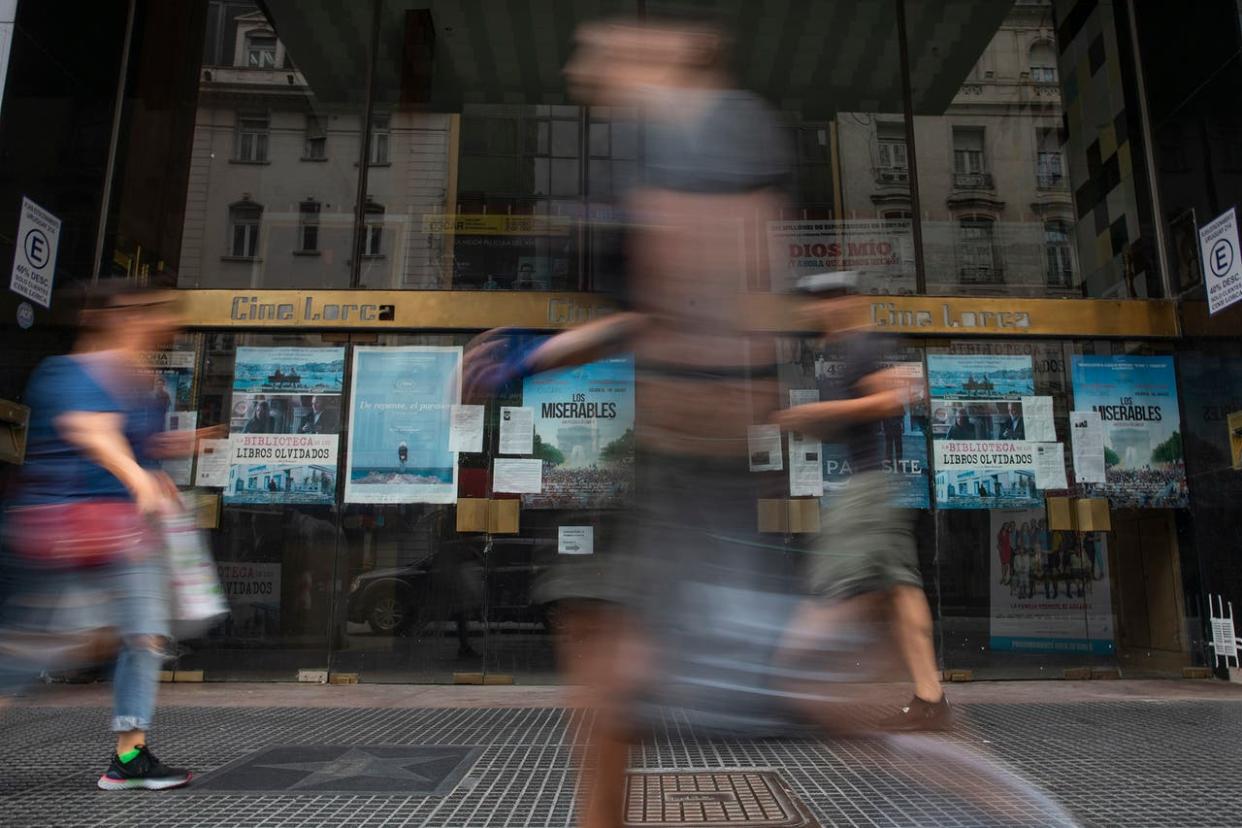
(450, 585)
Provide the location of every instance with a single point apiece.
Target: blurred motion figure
(80, 521)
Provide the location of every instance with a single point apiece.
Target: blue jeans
(52, 610)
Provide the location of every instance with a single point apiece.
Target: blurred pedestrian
(82, 518)
(716, 171)
(866, 544)
(691, 608)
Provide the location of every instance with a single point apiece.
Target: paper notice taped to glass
(178, 468)
(212, 471)
(803, 396)
(763, 444)
(466, 428)
(806, 469)
(517, 476)
(517, 430)
(1038, 425)
(1050, 466)
(1088, 433)
(575, 540)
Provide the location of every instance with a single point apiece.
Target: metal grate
(1142, 764)
(712, 799)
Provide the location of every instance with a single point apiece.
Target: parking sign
(1222, 269)
(34, 260)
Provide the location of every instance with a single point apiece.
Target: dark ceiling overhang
(818, 57)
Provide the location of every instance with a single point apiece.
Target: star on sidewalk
(355, 762)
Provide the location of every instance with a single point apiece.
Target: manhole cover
(712, 798)
(418, 770)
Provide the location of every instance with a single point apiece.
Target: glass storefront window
(1032, 181)
(439, 149)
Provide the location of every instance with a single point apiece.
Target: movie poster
(399, 425)
(1136, 398)
(981, 456)
(900, 441)
(173, 384)
(1049, 590)
(584, 434)
(284, 425)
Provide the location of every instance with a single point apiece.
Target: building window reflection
(381, 134)
(1048, 164)
(251, 143)
(373, 231)
(1059, 250)
(969, 163)
(308, 226)
(245, 219)
(316, 145)
(261, 50)
(893, 165)
(1043, 62)
(977, 251)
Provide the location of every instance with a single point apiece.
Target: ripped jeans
(50, 615)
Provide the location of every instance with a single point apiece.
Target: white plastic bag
(197, 601)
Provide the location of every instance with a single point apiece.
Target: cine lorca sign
(1222, 266)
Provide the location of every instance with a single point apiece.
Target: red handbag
(74, 535)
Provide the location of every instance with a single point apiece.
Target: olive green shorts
(866, 544)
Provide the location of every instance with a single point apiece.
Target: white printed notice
(179, 468)
(466, 428)
(212, 471)
(575, 540)
(34, 260)
(1038, 425)
(764, 446)
(1088, 432)
(1050, 466)
(517, 430)
(517, 476)
(806, 471)
(803, 396)
(1222, 260)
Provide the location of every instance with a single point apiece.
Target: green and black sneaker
(140, 769)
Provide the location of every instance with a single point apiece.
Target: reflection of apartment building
(997, 209)
(481, 198)
(273, 188)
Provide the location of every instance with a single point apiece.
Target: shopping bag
(197, 601)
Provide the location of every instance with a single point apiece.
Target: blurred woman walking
(81, 523)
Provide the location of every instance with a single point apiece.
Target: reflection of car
(452, 582)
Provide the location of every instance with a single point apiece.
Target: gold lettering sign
(480, 310)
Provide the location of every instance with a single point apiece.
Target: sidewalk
(1134, 753)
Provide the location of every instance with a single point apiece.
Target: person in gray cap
(866, 545)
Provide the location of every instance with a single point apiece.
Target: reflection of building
(482, 198)
(273, 190)
(997, 208)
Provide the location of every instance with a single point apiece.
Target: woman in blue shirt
(81, 519)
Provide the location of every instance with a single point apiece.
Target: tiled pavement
(1124, 757)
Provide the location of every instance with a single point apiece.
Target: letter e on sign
(34, 259)
(1222, 262)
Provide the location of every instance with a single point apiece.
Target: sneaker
(921, 715)
(143, 771)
